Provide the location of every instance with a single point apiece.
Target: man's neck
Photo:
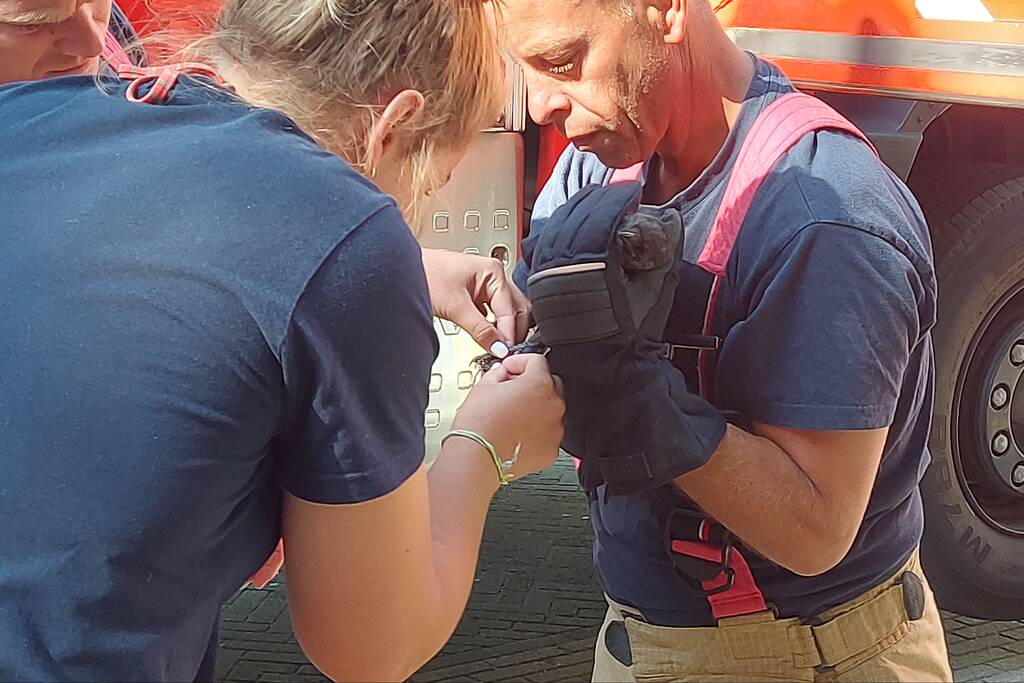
(694, 137)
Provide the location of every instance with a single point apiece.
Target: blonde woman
(217, 331)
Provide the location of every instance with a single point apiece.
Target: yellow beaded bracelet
(500, 466)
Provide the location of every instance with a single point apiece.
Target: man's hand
(795, 496)
(460, 287)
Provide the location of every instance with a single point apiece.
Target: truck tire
(973, 547)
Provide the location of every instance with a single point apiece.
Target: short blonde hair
(324, 62)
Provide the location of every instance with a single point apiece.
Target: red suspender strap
(153, 85)
(113, 54)
(733, 591)
(780, 126)
(158, 81)
(717, 564)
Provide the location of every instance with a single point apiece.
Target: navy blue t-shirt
(199, 308)
(825, 313)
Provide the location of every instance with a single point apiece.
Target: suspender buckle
(704, 552)
(693, 555)
(692, 342)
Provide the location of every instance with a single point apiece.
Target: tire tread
(961, 213)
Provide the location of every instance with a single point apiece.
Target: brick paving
(535, 608)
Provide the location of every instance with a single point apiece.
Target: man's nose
(81, 35)
(548, 104)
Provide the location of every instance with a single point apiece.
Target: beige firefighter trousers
(868, 639)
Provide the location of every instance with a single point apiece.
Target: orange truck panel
(949, 50)
(941, 50)
(883, 17)
(937, 50)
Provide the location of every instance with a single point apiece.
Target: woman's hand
(462, 284)
(518, 401)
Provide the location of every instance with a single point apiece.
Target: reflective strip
(954, 10)
(884, 51)
(565, 270)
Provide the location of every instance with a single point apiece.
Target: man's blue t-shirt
(825, 313)
(199, 308)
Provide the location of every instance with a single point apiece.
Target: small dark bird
(643, 242)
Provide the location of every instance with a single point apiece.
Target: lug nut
(1018, 474)
(1000, 396)
(1017, 354)
(1001, 443)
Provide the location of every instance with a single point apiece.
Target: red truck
(938, 85)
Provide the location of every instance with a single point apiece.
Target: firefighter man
(785, 546)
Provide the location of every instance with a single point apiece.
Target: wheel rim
(988, 417)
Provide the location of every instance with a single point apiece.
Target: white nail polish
(499, 350)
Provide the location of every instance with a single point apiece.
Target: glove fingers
(642, 439)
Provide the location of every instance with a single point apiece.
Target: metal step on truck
(938, 85)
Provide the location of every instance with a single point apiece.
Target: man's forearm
(757, 491)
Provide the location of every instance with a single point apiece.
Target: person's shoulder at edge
(356, 355)
(272, 162)
(289, 200)
(339, 223)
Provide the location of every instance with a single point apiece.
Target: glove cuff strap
(571, 304)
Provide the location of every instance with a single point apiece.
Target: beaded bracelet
(499, 465)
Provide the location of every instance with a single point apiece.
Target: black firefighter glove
(602, 278)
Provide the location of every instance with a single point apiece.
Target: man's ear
(669, 18)
(403, 107)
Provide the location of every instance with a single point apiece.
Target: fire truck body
(944, 50)
(938, 85)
